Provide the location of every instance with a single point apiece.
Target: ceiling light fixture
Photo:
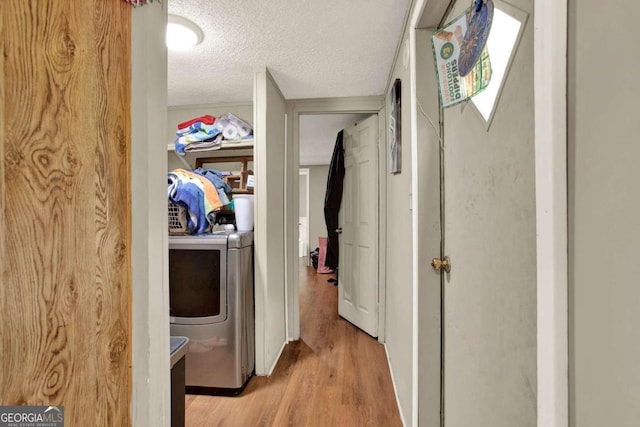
(182, 34)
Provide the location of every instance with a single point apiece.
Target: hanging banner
(479, 19)
(136, 3)
(446, 44)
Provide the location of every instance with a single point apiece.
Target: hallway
(335, 375)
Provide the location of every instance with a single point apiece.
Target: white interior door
(490, 236)
(303, 219)
(428, 232)
(358, 272)
(303, 246)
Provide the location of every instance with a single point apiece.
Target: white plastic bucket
(243, 206)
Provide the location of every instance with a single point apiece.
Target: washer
(212, 303)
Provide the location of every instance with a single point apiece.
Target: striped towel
(198, 194)
(196, 132)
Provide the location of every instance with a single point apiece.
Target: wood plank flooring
(335, 375)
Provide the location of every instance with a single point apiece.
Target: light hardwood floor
(335, 375)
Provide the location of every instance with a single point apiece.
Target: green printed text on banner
(453, 88)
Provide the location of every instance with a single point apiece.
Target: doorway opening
(317, 141)
(315, 131)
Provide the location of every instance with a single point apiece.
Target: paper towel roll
(233, 127)
(230, 132)
(221, 123)
(244, 131)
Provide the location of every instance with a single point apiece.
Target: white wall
(150, 403)
(270, 297)
(317, 189)
(399, 253)
(604, 207)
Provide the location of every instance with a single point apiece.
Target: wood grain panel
(335, 375)
(65, 207)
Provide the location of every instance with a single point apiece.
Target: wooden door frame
(550, 91)
(354, 105)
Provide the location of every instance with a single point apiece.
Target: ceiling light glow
(182, 34)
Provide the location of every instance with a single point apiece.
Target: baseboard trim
(273, 367)
(395, 390)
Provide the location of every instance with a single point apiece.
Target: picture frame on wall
(395, 128)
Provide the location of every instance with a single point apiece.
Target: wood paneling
(335, 375)
(64, 208)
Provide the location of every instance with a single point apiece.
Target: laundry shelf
(241, 191)
(226, 144)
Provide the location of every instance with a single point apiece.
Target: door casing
(370, 105)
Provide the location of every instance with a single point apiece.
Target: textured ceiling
(318, 136)
(313, 48)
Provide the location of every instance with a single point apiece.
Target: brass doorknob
(441, 264)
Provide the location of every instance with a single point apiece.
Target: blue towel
(189, 195)
(215, 177)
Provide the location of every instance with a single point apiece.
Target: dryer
(211, 298)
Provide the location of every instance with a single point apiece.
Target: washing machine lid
(240, 239)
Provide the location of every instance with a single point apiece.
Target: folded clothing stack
(197, 134)
(201, 192)
(206, 133)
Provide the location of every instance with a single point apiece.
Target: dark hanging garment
(332, 201)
